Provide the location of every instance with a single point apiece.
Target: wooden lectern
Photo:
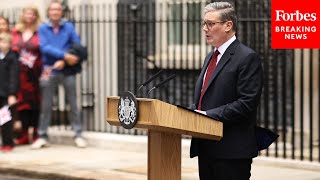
(165, 124)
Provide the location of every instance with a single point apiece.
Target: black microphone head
(164, 81)
(149, 80)
(152, 78)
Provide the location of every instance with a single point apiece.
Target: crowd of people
(35, 57)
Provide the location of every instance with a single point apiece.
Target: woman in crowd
(26, 42)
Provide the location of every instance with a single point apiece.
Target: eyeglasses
(55, 9)
(210, 24)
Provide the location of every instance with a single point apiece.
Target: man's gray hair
(226, 11)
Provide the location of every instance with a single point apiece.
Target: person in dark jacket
(228, 89)
(9, 85)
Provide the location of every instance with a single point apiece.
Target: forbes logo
(281, 15)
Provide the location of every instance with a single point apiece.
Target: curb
(35, 174)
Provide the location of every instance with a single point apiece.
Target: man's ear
(229, 26)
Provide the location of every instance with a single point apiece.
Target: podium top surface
(161, 116)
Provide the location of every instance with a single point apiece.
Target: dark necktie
(210, 70)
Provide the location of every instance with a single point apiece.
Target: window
(180, 43)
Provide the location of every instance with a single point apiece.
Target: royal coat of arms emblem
(128, 110)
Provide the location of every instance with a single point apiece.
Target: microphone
(162, 82)
(150, 79)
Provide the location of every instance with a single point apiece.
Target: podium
(165, 124)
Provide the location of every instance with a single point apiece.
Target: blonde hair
(5, 36)
(20, 26)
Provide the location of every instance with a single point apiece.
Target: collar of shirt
(2, 55)
(62, 21)
(224, 47)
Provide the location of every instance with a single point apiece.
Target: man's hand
(71, 59)
(202, 112)
(58, 65)
(12, 100)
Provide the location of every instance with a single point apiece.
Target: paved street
(124, 157)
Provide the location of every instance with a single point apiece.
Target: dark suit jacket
(9, 74)
(232, 96)
(82, 53)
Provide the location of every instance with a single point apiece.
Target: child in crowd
(9, 84)
(4, 28)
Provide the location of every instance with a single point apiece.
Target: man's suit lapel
(223, 61)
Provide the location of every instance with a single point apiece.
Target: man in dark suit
(228, 89)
